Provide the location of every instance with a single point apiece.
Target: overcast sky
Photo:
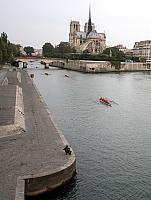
(34, 22)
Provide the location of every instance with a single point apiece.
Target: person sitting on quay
(67, 150)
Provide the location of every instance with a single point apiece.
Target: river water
(112, 144)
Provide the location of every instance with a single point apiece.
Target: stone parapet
(12, 119)
(19, 110)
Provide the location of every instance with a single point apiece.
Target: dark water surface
(112, 144)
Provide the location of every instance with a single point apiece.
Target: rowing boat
(105, 101)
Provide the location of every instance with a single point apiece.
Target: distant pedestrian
(67, 150)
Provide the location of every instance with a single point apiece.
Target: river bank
(32, 157)
(91, 66)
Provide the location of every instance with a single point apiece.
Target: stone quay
(31, 144)
(92, 66)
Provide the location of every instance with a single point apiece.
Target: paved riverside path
(36, 149)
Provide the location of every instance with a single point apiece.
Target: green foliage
(114, 54)
(8, 51)
(4, 37)
(116, 64)
(47, 50)
(29, 50)
(64, 50)
(88, 56)
(60, 51)
(132, 59)
(64, 47)
(142, 59)
(1, 56)
(136, 59)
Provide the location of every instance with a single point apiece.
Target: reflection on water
(112, 144)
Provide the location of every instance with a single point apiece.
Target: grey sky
(34, 22)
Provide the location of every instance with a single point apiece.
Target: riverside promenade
(31, 157)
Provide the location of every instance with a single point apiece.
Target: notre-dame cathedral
(88, 40)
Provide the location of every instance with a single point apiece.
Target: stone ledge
(45, 181)
(10, 130)
(19, 120)
(19, 109)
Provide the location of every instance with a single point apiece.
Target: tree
(8, 51)
(29, 50)
(4, 37)
(1, 56)
(142, 59)
(16, 50)
(64, 47)
(116, 64)
(47, 49)
(4, 47)
(114, 53)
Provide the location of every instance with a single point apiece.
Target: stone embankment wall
(12, 119)
(135, 66)
(98, 66)
(50, 180)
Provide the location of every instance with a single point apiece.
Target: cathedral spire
(89, 12)
(89, 21)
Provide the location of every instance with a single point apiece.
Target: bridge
(45, 61)
(54, 62)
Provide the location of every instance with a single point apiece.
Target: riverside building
(142, 49)
(88, 40)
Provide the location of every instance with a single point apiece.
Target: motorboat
(105, 101)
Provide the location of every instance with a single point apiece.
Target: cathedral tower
(74, 27)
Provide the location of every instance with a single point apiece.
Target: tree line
(64, 50)
(8, 50)
(58, 51)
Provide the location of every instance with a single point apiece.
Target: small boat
(105, 101)
(66, 75)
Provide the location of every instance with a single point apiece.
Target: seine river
(112, 144)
